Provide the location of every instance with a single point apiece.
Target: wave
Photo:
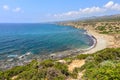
(12, 56)
(24, 55)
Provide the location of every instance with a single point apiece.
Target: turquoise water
(18, 39)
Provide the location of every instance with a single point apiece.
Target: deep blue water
(18, 39)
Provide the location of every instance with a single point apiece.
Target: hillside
(107, 18)
(107, 25)
(102, 65)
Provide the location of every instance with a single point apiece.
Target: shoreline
(22, 60)
(63, 54)
(102, 40)
(99, 43)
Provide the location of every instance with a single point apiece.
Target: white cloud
(110, 6)
(113, 6)
(6, 7)
(17, 9)
(91, 10)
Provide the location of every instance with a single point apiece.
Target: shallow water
(40, 39)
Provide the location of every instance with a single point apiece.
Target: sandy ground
(14, 77)
(103, 41)
(75, 64)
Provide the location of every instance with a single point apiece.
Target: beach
(102, 40)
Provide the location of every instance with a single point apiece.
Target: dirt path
(75, 63)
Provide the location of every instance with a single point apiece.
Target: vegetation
(104, 27)
(107, 70)
(83, 56)
(68, 60)
(108, 28)
(48, 69)
(102, 65)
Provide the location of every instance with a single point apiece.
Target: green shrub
(74, 75)
(54, 74)
(107, 54)
(83, 56)
(1, 75)
(14, 71)
(28, 75)
(33, 64)
(62, 67)
(104, 65)
(68, 60)
(103, 73)
(47, 63)
(101, 28)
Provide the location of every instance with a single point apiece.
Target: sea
(17, 39)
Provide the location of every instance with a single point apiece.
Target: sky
(36, 11)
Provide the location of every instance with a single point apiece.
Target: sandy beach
(103, 40)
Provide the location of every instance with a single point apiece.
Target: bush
(83, 56)
(103, 65)
(107, 54)
(14, 71)
(68, 60)
(47, 63)
(33, 64)
(54, 74)
(76, 70)
(62, 67)
(1, 75)
(103, 73)
(74, 75)
(28, 75)
(101, 28)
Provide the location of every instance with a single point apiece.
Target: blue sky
(25, 11)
